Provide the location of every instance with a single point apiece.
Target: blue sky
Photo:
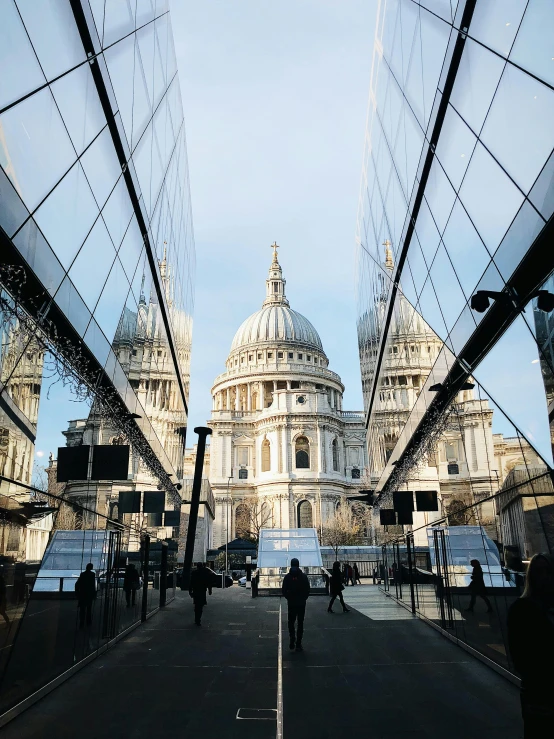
(275, 98)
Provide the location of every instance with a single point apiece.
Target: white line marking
(280, 680)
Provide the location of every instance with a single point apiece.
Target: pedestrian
(356, 575)
(375, 573)
(531, 643)
(345, 567)
(85, 587)
(477, 586)
(296, 590)
(3, 600)
(131, 583)
(335, 588)
(197, 589)
(351, 575)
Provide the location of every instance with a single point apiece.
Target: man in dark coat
(131, 583)
(198, 584)
(296, 589)
(85, 587)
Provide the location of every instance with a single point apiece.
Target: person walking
(477, 586)
(198, 585)
(345, 573)
(85, 587)
(296, 590)
(356, 575)
(350, 575)
(335, 588)
(531, 644)
(131, 583)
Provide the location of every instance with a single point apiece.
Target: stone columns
(228, 399)
(237, 397)
(249, 396)
(286, 443)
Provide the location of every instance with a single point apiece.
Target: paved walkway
(377, 671)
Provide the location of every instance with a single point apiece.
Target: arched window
(302, 453)
(242, 521)
(266, 456)
(305, 515)
(335, 455)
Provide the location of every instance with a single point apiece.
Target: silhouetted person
(350, 576)
(131, 583)
(345, 573)
(198, 584)
(477, 586)
(531, 642)
(3, 600)
(356, 572)
(85, 587)
(375, 574)
(335, 588)
(296, 589)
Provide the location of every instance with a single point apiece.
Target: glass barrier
(437, 583)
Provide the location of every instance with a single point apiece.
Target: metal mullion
(450, 79)
(80, 20)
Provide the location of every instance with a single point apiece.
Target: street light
(227, 527)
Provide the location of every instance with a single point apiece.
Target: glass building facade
(454, 266)
(96, 301)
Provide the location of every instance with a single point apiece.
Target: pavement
(377, 671)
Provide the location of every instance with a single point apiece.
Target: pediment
(243, 439)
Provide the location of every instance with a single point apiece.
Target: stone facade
(281, 441)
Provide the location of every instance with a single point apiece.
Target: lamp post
(227, 527)
(203, 432)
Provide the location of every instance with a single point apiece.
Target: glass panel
(101, 167)
(118, 211)
(119, 21)
(521, 234)
(121, 62)
(542, 193)
(74, 199)
(476, 82)
(455, 147)
(79, 105)
(434, 42)
(12, 210)
(533, 45)
(33, 131)
(93, 263)
(514, 363)
(489, 197)
(112, 300)
(522, 146)
(21, 72)
(39, 256)
(131, 249)
(53, 32)
(71, 303)
(466, 250)
(495, 23)
(142, 105)
(447, 288)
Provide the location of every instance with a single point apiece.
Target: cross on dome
(275, 283)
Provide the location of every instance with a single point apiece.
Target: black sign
(426, 500)
(72, 463)
(129, 501)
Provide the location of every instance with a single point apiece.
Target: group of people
(350, 574)
(86, 590)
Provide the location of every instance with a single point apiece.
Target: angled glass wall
(454, 271)
(96, 302)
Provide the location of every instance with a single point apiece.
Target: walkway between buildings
(376, 672)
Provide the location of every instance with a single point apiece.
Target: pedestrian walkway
(376, 671)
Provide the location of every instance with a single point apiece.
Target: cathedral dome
(277, 323)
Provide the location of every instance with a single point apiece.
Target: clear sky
(275, 98)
